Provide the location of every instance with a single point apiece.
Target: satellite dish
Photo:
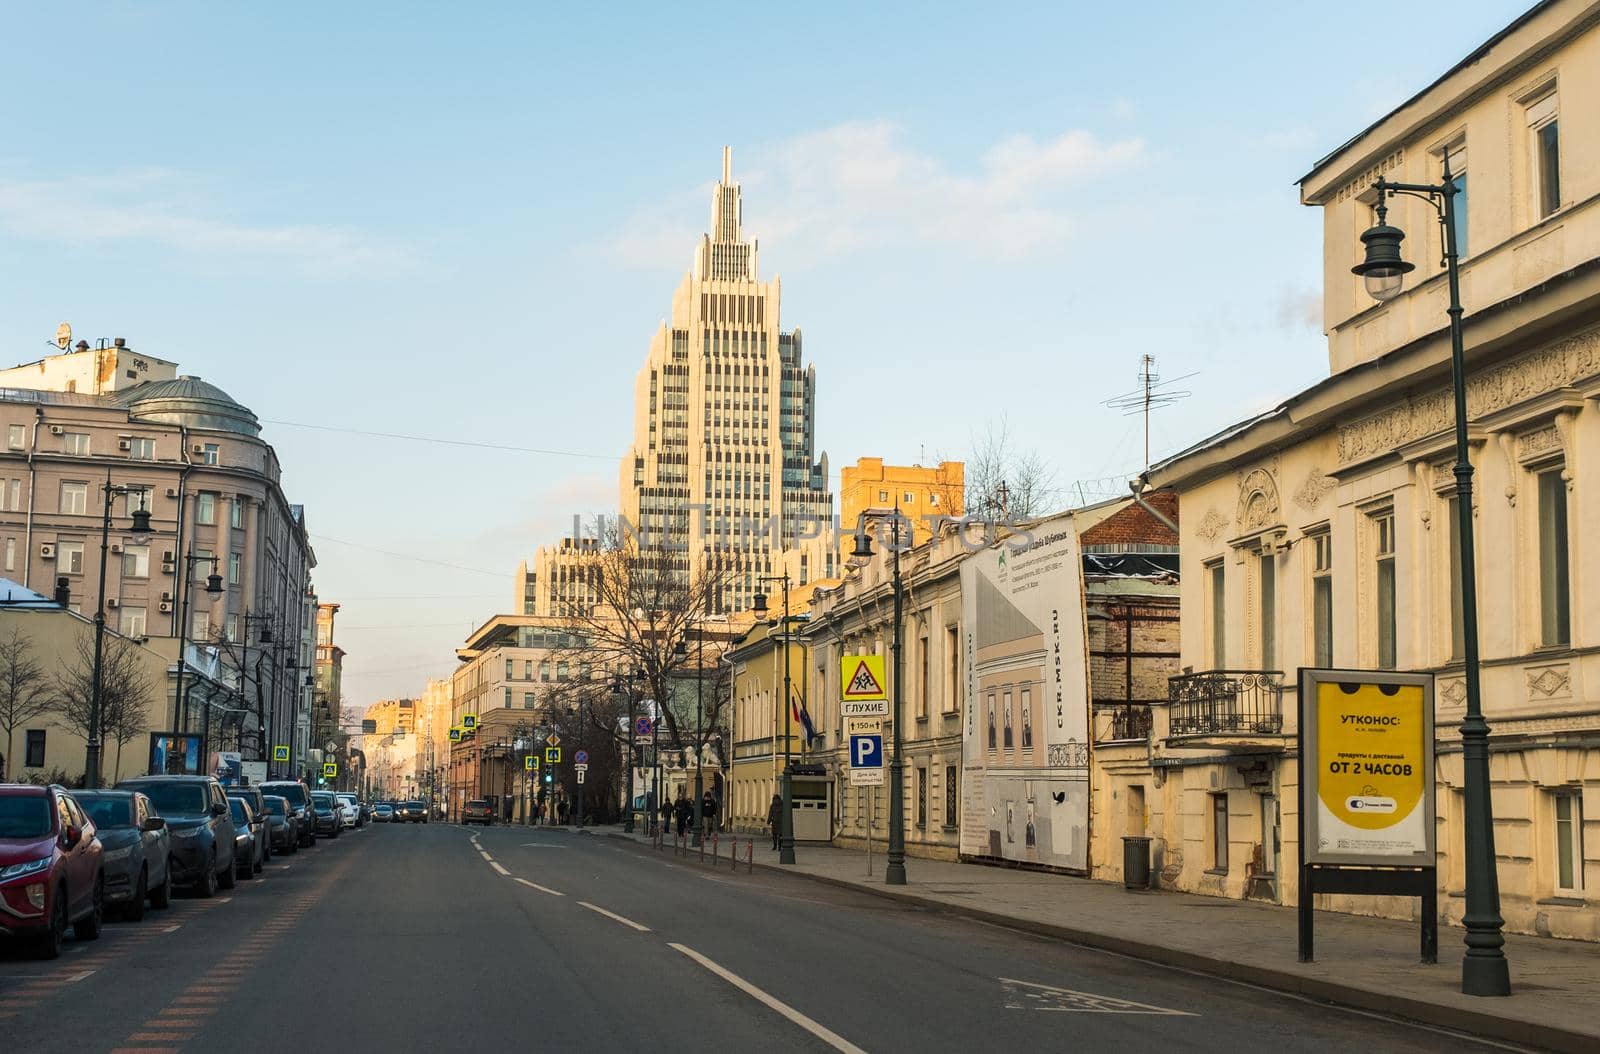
(63, 336)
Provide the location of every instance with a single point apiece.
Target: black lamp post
(213, 588)
(786, 820)
(1484, 970)
(141, 531)
(894, 873)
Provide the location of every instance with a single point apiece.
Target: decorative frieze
(1549, 682)
(1536, 444)
(1211, 525)
(1258, 501)
(1316, 487)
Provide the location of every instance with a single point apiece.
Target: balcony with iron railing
(1227, 706)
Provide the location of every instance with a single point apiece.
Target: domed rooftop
(191, 402)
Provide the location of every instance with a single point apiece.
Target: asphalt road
(434, 937)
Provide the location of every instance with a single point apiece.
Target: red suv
(50, 875)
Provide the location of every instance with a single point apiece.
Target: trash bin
(1135, 861)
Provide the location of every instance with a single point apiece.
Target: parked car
(325, 808)
(383, 812)
(298, 795)
(249, 838)
(478, 811)
(201, 827)
(412, 812)
(50, 863)
(351, 808)
(255, 796)
(136, 850)
(282, 834)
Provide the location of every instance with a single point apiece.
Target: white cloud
(158, 206)
(1300, 309)
(860, 185)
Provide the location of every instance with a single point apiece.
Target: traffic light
(549, 777)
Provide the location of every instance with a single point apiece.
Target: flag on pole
(803, 716)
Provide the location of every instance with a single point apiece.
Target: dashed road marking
(542, 889)
(498, 868)
(613, 915)
(822, 1032)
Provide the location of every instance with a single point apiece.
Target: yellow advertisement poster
(1370, 763)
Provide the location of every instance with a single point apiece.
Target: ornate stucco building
(1320, 533)
(723, 463)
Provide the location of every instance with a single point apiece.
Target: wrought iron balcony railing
(1226, 702)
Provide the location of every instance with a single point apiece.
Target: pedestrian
(775, 817)
(708, 812)
(666, 816)
(685, 813)
(563, 809)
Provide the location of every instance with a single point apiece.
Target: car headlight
(27, 867)
(184, 834)
(111, 856)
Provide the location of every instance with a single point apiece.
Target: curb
(1489, 1026)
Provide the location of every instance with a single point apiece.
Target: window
(14, 495)
(1555, 595)
(75, 443)
(236, 514)
(35, 759)
(74, 499)
(1215, 582)
(205, 507)
(1544, 147)
(235, 563)
(924, 684)
(209, 454)
(131, 622)
(1455, 157)
(1027, 717)
(1384, 598)
(136, 561)
(142, 449)
(230, 628)
(544, 670)
(952, 669)
(508, 699)
(527, 670)
(16, 437)
(1010, 740)
(200, 626)
(527, 700)
(1269, 611)
(883, 496)
(1569, 841)
(991, 720)
(922, 798)
(909, 499)
(1269, 834)
(11, 554)
(1219, 832)
(140, 497)
(1322, 599)
(561, 669)
(510, 670)
(949, 795)
(69, 558)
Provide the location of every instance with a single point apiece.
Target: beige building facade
(1321, 533)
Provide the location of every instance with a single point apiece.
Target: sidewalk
(1361, 962)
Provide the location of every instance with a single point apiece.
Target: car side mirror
(218, 809)
(71, 836)
(153, 823)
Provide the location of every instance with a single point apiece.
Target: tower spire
(727, 165)
(724, 254)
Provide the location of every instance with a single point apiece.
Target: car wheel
(49, 946)
(335, 833)
(161, 896)
(228, 877)
(259, 865)
(247, 869)
(135, 909)
(207, 886)
(88, 927)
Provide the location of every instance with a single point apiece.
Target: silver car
(137, 857)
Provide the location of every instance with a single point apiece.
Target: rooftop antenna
(1152, 393)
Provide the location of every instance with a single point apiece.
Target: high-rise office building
(723, 464)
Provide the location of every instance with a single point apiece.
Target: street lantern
(1384, 269)
(213, 583)
(758, 604)
(141, 525)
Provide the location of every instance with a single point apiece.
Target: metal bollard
(733, 853)
(714, 850)
(702, 850)
(749, 857)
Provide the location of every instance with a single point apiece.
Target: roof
(1133, 529)
(188, 401)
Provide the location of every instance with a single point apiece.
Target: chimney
(119, 342)
(63, 591)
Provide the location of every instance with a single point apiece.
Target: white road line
(542, 889)
(613, 915)
(222, 900)
(828, 1036)
(174, 928)
(74, 978)
(485, 854)
(498, 868)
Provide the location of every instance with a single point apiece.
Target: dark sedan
(299, 798)
(137, 850)
(250, 838)
(258, 806)
(283, 834)
(326, 810)
(202, 832)
(477, 811)
(411, 812)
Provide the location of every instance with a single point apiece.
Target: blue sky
(465, 221)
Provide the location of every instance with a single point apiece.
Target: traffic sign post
(552, 740)
(552, 755)
(866, 759)
(862, 678)
(280, 752)
(582, 773)
(530, 763)
(581, 758)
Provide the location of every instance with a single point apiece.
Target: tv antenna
(1152, 394)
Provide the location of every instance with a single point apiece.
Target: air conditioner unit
(166, 556)
(172, 492)
(199, 448)
(56, 430)
(48, 550)
(115, 548)
(166, 596)
(111, 602)
(123, 444)
(165, 607)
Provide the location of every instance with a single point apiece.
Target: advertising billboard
(1025, 733)
(174, 754)
(1367, 779)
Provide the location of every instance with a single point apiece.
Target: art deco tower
(723, 463)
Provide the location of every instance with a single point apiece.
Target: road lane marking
(498, 868)
(542, 889)
(822, 1032)
(1029, 995)
(613, 915)
(544, 845)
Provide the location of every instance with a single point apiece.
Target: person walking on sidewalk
(563, 809)
(775, 818)
(685, 811)
(708, 812)
(666, 815)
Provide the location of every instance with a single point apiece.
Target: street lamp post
(786, 819)
(894, 873)
(213, 588)
(141, 531)
(1484, 970)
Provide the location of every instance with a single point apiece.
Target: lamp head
(1383, 268)
(213, 583)
(758, 604)
(863, 547)
(141, 525)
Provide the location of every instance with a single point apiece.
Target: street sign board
(330, 747)
(455, 735)
(581, 774)
(866, 778)
(863, 726)
(280, 752)
(330, 769)
(581, 768)
(849, 708)
(530, 763)
(469, 721)
(866, 752)
(643, 726)
(861, 677)
(581, 756)
(552, 755)
(553, 740)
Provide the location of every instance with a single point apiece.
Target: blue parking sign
(866, 752)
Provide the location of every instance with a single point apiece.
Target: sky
(464, 222)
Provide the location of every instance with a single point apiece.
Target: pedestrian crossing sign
(861, 677)
(530, 763)
(469, 721)
(455, 735)
(552, 755)
(330, 769)
(280, 753)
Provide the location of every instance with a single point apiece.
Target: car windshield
(292, 791)
(413, 805)
(108, 812)
(323, 801)
(276, 806)
(236, 807)
(24, 816)
(177, 799)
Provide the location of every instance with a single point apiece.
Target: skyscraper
(723, 463)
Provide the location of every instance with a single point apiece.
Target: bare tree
(1003, 481)
(24, 690)
(125, 692)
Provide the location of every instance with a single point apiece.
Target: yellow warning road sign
(861, 677)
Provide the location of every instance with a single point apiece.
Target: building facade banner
(1367, 776)
(1025, 734)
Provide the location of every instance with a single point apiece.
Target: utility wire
(408, 556)
(446, 442)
